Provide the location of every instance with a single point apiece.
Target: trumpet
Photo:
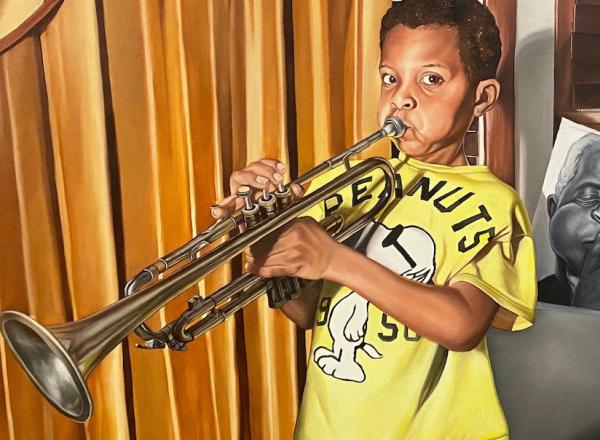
(59, 358)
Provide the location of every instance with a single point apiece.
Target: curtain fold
(76, 114)
(42, 262)
(269, 337)
(20, 398)
(120, 124)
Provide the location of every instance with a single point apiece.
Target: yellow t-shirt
(370, 377)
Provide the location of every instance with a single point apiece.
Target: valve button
(244, 191)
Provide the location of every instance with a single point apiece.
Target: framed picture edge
(37, 17)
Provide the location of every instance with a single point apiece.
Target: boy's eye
(431, 79)
(388, 79)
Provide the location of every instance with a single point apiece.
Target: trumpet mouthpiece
(394, 127)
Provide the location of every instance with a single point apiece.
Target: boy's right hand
(258, 175)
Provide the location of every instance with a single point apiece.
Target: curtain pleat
(6, 423)
(337, 85)
(210, 389)
(361, 74)
(20, 397)
(137, 90)
(42, 261)
(313, 82)
(73, 80)
(258, 110)
(120, 126)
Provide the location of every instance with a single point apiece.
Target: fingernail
(281, 166)
(262, 180)
(278, 177)
(216, 211)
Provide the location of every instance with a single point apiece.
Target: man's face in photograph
(575, 214)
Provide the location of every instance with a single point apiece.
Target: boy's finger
(277, 164)
(270, 187)
(248, 178)
(248, 255)
(265, 173)
(297, 190)
(225, 207)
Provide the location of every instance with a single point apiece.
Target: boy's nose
(408, 104)
(403, 101)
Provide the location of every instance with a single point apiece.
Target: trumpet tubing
(59, 358)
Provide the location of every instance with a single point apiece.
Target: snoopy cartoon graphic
(406, 250)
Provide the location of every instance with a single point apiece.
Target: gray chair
(548, 376)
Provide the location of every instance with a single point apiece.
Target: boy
(398, 348)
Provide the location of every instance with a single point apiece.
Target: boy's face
(424, 83)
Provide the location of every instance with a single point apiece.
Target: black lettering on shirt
(398, 192)
(423, 185)
(332, 203)
(388, 337)
(483, 214)
(438, 202)
(464, 247)
(358, 190)
(410, 336)
(324, 309)
(392, 335)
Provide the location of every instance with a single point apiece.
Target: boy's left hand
(303, 250)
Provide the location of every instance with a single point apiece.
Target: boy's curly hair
(478, 35)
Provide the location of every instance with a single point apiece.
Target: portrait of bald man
(574, 229)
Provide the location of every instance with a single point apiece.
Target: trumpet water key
(59, 358)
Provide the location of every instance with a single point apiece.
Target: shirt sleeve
(505, 270)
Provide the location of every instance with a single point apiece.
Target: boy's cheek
(384, 109)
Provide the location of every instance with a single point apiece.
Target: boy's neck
(452, 156)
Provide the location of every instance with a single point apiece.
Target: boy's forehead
(424, 44)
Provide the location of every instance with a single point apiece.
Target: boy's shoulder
(474, 175)
(489, 192)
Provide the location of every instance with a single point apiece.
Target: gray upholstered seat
(548, 376)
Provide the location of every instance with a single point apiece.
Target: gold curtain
(120, 122)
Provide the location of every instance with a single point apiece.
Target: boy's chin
(412, 148)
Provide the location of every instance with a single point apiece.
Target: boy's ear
(486, 95)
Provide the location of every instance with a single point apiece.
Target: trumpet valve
(251, 210)
(268, 204)
(284, 196)
(245, 193)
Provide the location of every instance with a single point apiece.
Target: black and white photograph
(567, 220)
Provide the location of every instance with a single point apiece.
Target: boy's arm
(455, 316)
(302, 309)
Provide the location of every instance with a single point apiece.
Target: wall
(534, 90)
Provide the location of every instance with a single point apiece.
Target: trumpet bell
(48, 364)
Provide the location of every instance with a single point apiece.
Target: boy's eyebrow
(424, 65)
(436, 65)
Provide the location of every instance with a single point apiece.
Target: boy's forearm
(302, 309)
(438, 313)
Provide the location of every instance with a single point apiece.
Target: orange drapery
(120, 122)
